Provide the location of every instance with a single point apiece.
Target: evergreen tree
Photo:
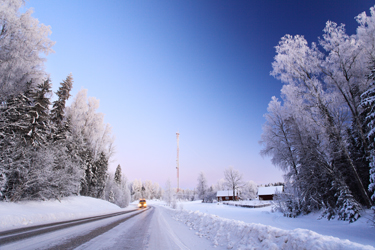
(58, 118)
(368, 104)
(14, 124)
(31, 167)
(111, 197)
(118, 175)
(58, 110)
(101, 175)
(39, 114)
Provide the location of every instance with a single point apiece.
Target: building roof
(269, 190)
(225, 193)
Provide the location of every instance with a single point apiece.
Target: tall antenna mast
(178, 161)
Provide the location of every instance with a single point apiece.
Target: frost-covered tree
(202, 186)
(210, 195)
(156, 191)
(220, 185)
(249, 190)
(147, 193)
(22, 41)
(39, 128)
(233, 179)
(136, 190)
(91, 141)
(168, 194)
(117, 194)
(317, 135)
(183, 194)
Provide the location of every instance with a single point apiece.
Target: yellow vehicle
(142, 203)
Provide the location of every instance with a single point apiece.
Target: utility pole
(178, 161)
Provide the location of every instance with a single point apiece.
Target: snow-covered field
(31, 213)
(359, 232)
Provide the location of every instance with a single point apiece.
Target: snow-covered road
(152, 228)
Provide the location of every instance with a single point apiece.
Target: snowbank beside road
(360, 231)
(30, 213)
(238, 234)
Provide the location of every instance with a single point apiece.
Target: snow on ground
(240, 235)
(214, 215)
(252, 202)
(222, 225)
(31, 213)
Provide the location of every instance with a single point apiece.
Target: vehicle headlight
(139, 205)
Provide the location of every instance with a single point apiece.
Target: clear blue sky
(197, 67)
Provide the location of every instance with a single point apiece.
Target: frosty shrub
(117, 191)
(288, 204)
(210, 195)
(181, 207)
(174, 203)
(169, 194)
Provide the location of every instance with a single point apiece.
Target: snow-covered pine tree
(67, 174)
(368, 104)
(14, 122)
(39, 128)
(58, 118)
(348, 207)
(58, 110)
(87, 165)
(118, 175)
(111, 197)
(34, 169)
(101, 175)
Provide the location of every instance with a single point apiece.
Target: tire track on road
(15, 235)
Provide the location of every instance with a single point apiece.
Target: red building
(267, 193)
(226, 195)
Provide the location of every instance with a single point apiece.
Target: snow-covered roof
(225, 193)
(269, 190)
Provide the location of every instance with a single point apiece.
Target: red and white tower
(178, 161)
